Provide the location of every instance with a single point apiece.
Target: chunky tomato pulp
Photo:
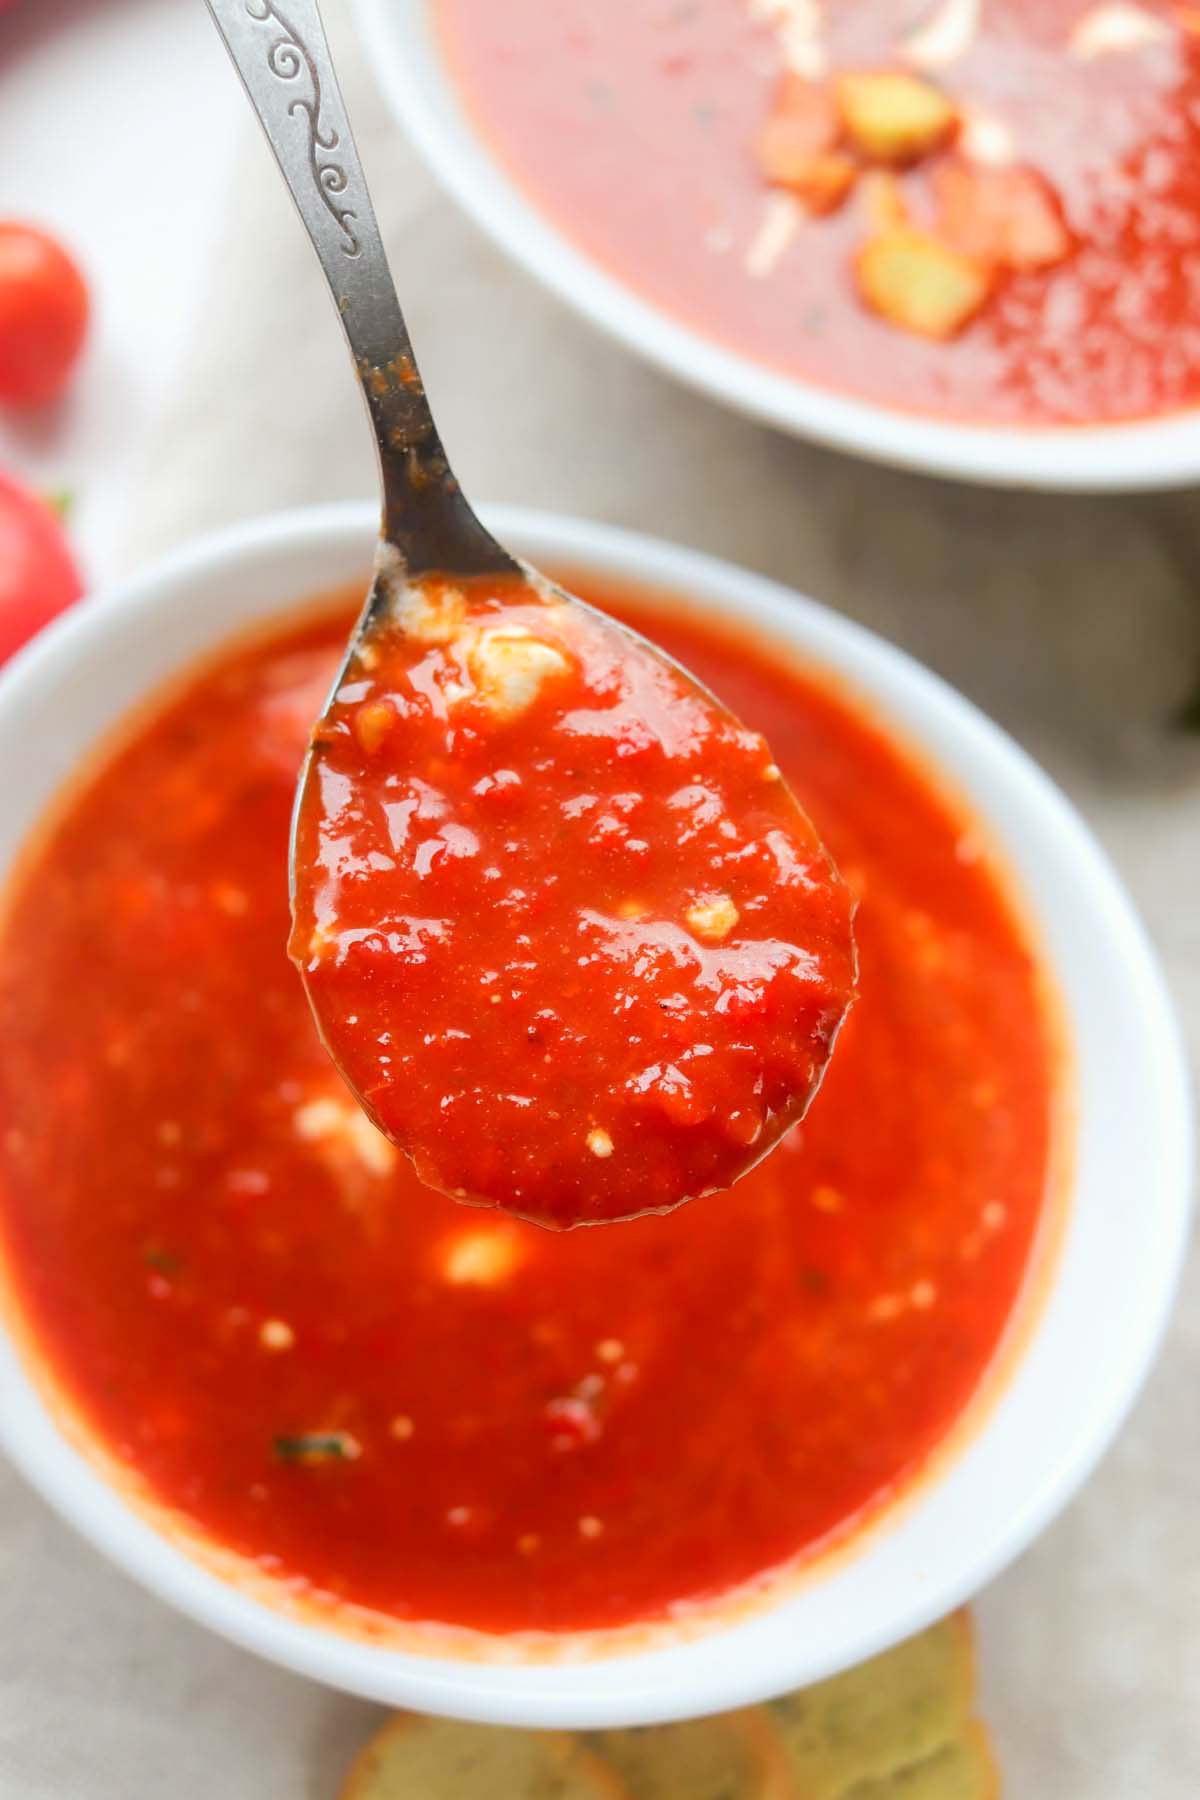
(635, 124)
(564, 927)
(448, 1414)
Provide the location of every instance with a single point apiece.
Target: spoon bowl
(562, 925)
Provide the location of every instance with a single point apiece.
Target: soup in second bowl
(985, 210)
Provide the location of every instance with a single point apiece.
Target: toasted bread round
(883, 1715)
(736, 1756)
(415, 1758)
(963, 1769)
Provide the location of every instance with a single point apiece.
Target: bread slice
(735, 1756)
(415, 1758)
(883, 1715)
(961, 1770)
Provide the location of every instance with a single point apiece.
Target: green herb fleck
(318, 1447)
(165, 1261)
(61, 502)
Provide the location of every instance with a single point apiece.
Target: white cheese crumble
(481, 1256)
(342, 1124)
(432, 613)
(985, 138)
(781, 216)
(1107, 30)
(947, 34)
(510, 668)
(799, 28)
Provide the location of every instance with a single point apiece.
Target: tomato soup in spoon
(562, 924)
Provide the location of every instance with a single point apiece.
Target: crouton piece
(893, 117)
(919, 284)
(1006, 216)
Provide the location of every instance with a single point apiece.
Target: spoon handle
(283, 59)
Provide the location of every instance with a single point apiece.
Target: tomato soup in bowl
(958, 236)
(446, 1458)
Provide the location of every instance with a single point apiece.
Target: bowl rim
(1133, 456)
(750, 1658)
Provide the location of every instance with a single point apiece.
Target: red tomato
(38, 577)
(43, 315)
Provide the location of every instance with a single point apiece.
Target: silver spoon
(428, 526)
(283, 59)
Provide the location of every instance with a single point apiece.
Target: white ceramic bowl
(1083, 1345)
(407, 61)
